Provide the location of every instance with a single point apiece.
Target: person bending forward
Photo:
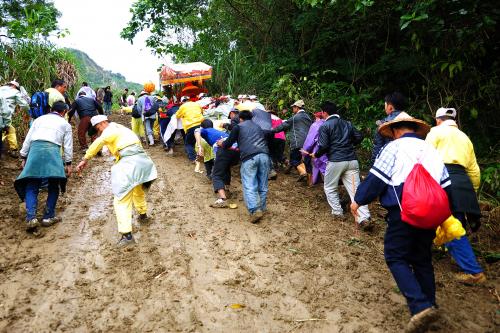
(132, 172)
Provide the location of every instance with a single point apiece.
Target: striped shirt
(394, 164)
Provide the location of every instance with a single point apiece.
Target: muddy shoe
(272, 175)
(471, 279)
(302, 178)
(421, 321)
(125, 241)
(219, 203)
(144, 218)
(367, 225)
(32, 225)
(339, 217)
(14, 154)
(50, 221)
(256, 217)
(288, 169)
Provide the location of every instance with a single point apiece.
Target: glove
(449, 230)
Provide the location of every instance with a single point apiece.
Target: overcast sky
(95, 26)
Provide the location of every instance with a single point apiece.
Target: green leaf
(405, 25)
(474, 113)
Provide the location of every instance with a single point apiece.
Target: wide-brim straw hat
(422, 127)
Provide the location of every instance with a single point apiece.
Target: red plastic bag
(425, 204)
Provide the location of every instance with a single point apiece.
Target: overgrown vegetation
(438, 53)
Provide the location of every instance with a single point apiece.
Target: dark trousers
(295, 157)
(276, 150)
(189, 143)
(209, 165)
(163, 127)
(221, 173)
(407, 252)
(31, 200)
(83, 128)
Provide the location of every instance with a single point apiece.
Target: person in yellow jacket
(130, 175)
(457, 152)
(191, 115)
(56, 92)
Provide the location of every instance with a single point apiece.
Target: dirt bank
(198, 269)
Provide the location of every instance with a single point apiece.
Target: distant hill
(96, 76)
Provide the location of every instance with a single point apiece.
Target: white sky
(95, 26)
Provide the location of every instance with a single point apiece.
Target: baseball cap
(299, 103)
(451, 112)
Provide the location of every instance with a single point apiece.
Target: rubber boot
(301, 168)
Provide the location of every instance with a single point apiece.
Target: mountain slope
(96, 76)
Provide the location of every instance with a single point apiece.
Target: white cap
(184, 99)
(14, 83)
(240, 96)
(451, 112)
(252, 97)
(299, 103)
(98, 119)
(201, 95)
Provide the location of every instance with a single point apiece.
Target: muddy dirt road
(197, 269)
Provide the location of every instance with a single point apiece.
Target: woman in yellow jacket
(132, 172)
(191, 115)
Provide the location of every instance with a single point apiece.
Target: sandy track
(297, 271)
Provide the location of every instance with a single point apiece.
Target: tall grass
(32, 63)
(35, 64)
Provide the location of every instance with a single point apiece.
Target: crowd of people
(224, 132)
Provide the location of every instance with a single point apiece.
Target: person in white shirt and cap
(41, 154)
(132, 173)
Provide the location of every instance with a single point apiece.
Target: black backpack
(136, 113)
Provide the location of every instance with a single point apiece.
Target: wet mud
(199, 269)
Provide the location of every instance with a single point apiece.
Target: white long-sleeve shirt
(9, 98)
(52, 128)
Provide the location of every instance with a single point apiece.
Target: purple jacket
(311, 146)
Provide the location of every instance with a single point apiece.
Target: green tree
(437, 52)
(28, 18)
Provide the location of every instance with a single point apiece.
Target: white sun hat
(98, 119)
